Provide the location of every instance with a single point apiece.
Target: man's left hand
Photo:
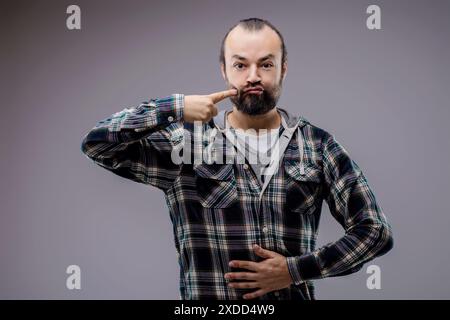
(265, 276)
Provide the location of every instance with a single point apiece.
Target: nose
(253, 76)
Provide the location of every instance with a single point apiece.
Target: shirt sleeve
(352, 203)
(135, 144)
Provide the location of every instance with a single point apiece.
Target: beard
(256, 104)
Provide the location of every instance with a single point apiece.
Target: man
(246, 229)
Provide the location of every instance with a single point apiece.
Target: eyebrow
(269, 56)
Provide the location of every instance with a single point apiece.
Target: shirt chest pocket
(303, 189)
(215, 185)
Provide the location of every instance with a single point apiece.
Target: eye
(239, 66)
(267, 65)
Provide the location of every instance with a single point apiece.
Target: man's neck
(240, 120)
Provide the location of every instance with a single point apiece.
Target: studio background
(383, 93)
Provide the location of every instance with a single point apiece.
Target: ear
(284, 70)
(222, 69)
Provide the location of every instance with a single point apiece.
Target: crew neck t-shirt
(257, 147)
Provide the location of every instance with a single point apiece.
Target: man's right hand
(202, 107)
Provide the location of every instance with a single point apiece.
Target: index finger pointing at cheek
(219, 96)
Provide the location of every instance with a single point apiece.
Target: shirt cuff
(303, 268)
(170, 109)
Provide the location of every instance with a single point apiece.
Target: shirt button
(265, 229)
(276, 293)
(245, 166)
(170, 118)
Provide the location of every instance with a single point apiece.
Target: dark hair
(254, 24)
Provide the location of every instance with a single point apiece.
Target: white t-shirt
(257, 148)
(261, 142)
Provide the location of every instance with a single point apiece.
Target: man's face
(253, 60)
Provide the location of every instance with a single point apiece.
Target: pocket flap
(214, 171)
(311, 172)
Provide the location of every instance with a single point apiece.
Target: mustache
(254, 88)
(242, 91)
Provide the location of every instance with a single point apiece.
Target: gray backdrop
(383, 93)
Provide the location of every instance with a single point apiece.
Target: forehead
(252, 44)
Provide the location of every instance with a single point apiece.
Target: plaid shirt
(217, 210)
